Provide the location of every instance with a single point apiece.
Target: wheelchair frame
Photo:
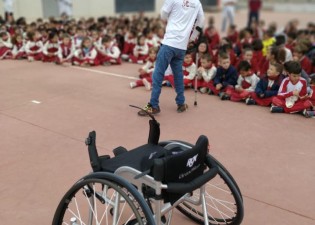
(127, 187)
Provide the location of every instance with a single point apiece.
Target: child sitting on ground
(292, 96)
(140, 51)
(226, 75)
(50, 49)
(205, 73)
(66, 50)
(34, 46)
(267, 87)
(108, 52)
(86, 55)
(189, 71)
(5, 45)
(146, 71)
(18, 51)
(247, 54)
(246, 83)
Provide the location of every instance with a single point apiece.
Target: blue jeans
(168, 56)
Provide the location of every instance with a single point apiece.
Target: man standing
(65, 7)
(8, 9)
(228, 13)
(254, 8)
(182, 17)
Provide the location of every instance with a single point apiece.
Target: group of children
(254, 65)
(277, 70)
(83, 44)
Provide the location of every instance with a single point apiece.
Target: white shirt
(8, 5)
(181, 17)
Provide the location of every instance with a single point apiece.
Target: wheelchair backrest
(182, 166)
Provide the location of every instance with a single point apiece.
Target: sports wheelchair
(144, 185)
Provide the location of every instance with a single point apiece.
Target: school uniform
(204, 78)
(34, 50)
(6, 47)
(268, 87)
(110, 54)
(258, 58)
(189, 72)
(225, 77)
(142, 52)
(306, 64)
(86, 56)
(148, 68)
(289, 102)
(50, 48)
(129, 45)
(18, 51)
(65, 53)
(248, 84)
(151, 42)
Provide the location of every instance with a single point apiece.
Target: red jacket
(254, 5)
(306, 64)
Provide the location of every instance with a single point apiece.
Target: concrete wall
(33, 9)
(30, 9)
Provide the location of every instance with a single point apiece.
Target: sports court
(46, 112)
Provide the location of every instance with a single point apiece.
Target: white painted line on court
(106, 73)
(36, 102)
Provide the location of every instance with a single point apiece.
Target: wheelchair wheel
(223, 201)
(103, 198)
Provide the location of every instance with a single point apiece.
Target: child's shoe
(147, 84)
(276, 109)
(203, 90)
(224, 96)
(133, 85)
(250, 101)
(308, 113)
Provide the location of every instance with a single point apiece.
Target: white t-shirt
(8, 5)
(181, 16)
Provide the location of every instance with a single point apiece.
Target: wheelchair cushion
(134, 158)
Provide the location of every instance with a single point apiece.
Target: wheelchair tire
(223, 200)
(92, 199)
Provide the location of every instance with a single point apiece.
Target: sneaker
(148, 108)
(224, 97)
(203, 90)
(107, 64)
(210, 92)
(133, 85)
(276, 109)
(308, 114)
(250, 101)
(147, 84)
(182, 108)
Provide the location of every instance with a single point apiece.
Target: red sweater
(254, 5)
